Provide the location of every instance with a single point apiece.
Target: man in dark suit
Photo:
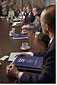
(37, 26)
(48, 70)
(29, 15)
(36, 23)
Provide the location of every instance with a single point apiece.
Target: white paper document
(13, 55)
(16, 19)
(4, 58)
(14, 24)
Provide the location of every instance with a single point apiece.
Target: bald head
(48, 17)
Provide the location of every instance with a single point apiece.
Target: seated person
(21, 11)
(47, 74)
(36, 24)
(11, 13)
(24, 10)
(17, 12)
(0, 9)
(39, 34)
(29, 15)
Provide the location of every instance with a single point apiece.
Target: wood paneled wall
(52, 2)
(35, 2)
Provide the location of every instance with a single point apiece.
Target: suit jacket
(17, 13)
(0, 10)
(29, 17)
(36, 24)
(48, 70)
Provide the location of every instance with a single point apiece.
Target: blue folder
(29, 63)
(19, 24)
(17, 37)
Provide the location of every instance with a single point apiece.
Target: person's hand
(20, 14)
(22, 20)
(24, 26)
(36, 34)
(12, 71)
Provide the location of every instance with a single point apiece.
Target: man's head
(28, 9)
(16, 9)
(48, 19)
(10, 9)
(20, 9)
(11, 2)
(24, 8)
(35, 11)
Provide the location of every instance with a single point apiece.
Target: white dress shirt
(51, 39)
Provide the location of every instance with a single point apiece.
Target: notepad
(4, 57)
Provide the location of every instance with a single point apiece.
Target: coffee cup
(23, 17)
(25, 45)
(11, 33)
(23, 31)
(7, 19)
(13, 30)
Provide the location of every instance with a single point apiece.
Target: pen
(10, 66)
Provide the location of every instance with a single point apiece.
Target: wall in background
(27, 2)
(34, 2)
(46, 2)
(18, 3)
(40, 3)
(49, 2)
(52, 2)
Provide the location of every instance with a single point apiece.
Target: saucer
(25, 48)
(10, 34)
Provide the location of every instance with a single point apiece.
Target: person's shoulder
(31, 13)
(37, 17)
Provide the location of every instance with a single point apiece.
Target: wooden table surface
(8, 45)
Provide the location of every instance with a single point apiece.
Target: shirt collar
(51, 39)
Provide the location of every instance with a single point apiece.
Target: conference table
(8, 45)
